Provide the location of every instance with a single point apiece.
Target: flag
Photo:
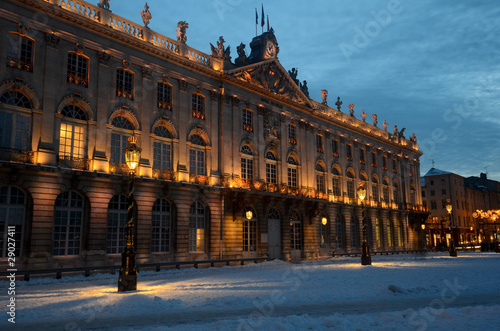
(267, 23)
(262, 18)
(256, 17)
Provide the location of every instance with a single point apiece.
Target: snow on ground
(402, 292)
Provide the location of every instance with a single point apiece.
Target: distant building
(466, 196)
(219, 139)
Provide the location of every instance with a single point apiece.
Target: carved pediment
(272, 77)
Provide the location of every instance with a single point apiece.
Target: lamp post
(127, 280)
(453, 251)
(366, 258)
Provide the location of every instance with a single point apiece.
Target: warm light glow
(423, 226)
(471, 228)
(362, 192)
(449, 207)
(249, 214)
(324, 221)
(132, 153)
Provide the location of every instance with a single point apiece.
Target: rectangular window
(271, 176)
(72, 141)
(394, 165)
(249, 235)
(198, 106)
(335, 147)
(78, 69)
(433, 205)
(20, 52)
(350, 188)
(118, 144)
(295, 236)
(116, 232)
(320, 181)
(161, 156)
(125, 84)
(374, 159)
(164, 96)
(336, 186)
(385, 192)
(349, 152)
(433, 193)
(15, 131)
(423, 194)
(246, 168)
(443, 192)
(384, 162)
(160, 232)
(361, 156)
(196, 162)
(375, 192)
(247, 120)
(292, 138)
(319, 143)
(292, 177)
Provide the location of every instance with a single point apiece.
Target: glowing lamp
(362, 193)
(249, 214)
(449, 207)
(132, 153)
(423, 226)
(324, 221)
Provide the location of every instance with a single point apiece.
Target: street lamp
(453, 251)
(249, 214)
(127, 280)
(366, 258)
(324, 221)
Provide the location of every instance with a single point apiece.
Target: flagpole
(262, 19)
(256, 21)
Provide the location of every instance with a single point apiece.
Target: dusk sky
(431, 67)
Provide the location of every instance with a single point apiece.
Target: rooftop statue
(324, 97)
(413, 138)
(385, 125)
(374, 117)
(351, 109)
(363, 115)
(146, 15)
(304, 88)
(181, 31)
(293, 73)
(220, 51)
(338, 103)
(241, 60)
(103, 4)
(396, 131)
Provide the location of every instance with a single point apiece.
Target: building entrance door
(274, 231)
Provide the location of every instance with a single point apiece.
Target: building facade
(218, 139)
(467, 196)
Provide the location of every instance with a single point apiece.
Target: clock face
(270, 50)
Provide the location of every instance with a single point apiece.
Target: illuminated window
(271, 174)
(400, 234)
(247, 120)
(250, 232)
(390, 240)
(15, 121)
(164, 96)
(246, 163)
(20, 51)
(78, 69)
(125, 83)
(320, 178)
(117, 221)
(68, 220)
(160, 224)
(197, 220)
(378, 231)
(12, 214)
(198, 106)
(72, 139)
(292, 172)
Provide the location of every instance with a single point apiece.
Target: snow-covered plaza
(401, 292)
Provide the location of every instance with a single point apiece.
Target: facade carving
(218, 142)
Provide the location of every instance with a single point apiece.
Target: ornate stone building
(218, 139)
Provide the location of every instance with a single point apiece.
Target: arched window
(400, 234)
(122, 129)
(379, 228)
(354, 232)
(197, 155)
(385, 190)
(390, 237)
(12, 219)
(68, 221)
(161, 223)
(197, 227)
(249, 231)
(351, 193)
(15, 122)
(336, 186)
(198, 106)
(162, 149)
(320, 178)
(375, 194)
(295, 231)
(396, 194)
(339, 231)
(273, 214)
(20, 52)
(271, 168)
(73, 137)
(292, 171)
(117, 221)
(246, 162)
